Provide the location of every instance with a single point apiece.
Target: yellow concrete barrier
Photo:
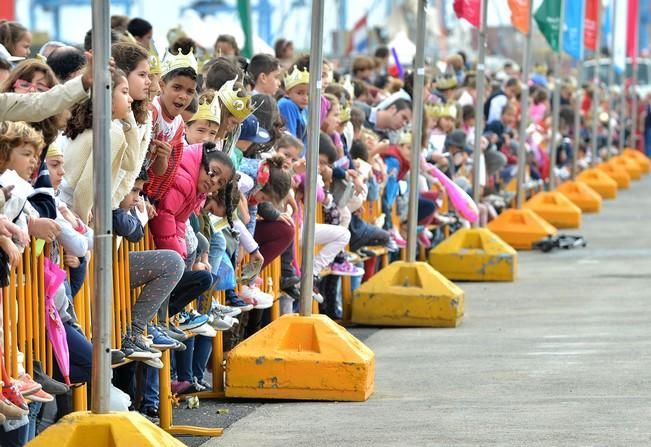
(642, 160)
(408, 294)
(601, 182)
(521, 228)
(617, 173)
(555, 208)
(632, 166)
(475, 254)
(582, 195)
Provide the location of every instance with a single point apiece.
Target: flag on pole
(619, 44)
(358, 41)
(573, 29)
(590, 25)
(469, 10)
(632, 29)
(548, 18)
(520, 15)
(607, 26)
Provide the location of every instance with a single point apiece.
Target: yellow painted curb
(104, 430)
(617, 173)
(475, 254)
(580, 194)
(631, 166)
(408, 294)
(640, 158)
(307, 358)
(556, 209)
(601, 182)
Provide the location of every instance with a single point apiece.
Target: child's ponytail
(279, 180)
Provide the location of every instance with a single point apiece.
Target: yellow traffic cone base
(617, 173)
(408, 294)
(475, 254)
(306, 358)
(599, 181)
(631, 166)
(555, 208)
(521, 228)
(580, 194)
(125, 428)
(641, 159)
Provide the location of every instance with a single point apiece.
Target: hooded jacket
(175, 207)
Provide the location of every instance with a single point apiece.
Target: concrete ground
(562, 356)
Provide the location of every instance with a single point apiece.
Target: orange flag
(520, 15)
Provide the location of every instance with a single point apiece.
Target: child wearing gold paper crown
(178, 86)
(203, 127)
(296, 100)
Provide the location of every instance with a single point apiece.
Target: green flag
(244, 8)
(548, 18)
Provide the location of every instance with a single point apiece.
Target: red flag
(469, 10)
(591, 23)
(632, 30)
(520, 15)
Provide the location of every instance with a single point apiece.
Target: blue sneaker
(160, 340)
(191, 320)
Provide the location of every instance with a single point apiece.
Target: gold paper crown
(53, 151)
(344, 114)
(296, 77)
(209, 111)
(154, 61)
(405, 137)
(440, 110)
(446, 81)
(173, 62)
(239, 107)
(540, 69)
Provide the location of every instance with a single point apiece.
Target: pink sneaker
(346, 269)
(423, 240)
(397, 238)
(257, 297)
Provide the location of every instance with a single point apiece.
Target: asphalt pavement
(560, 357)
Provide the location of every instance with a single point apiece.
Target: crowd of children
(210, 157)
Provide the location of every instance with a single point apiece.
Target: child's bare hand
(162, 148)
(11, 250)
(46, 229)
(71, 261)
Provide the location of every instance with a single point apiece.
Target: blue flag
(573, 28)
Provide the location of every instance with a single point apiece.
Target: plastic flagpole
(103, 274)
(417, 130)
(522, 152)
(479, 106)
(309, 220)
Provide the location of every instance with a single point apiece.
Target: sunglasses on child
(26, 85)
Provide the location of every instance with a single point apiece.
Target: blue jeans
(77, 276)
(193, 361)
(217, 250)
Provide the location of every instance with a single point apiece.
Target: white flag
(619, 35)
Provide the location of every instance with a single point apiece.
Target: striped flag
(358, 42)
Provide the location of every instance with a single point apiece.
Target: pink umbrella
(53, 278)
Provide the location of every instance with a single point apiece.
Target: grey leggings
(158, 271)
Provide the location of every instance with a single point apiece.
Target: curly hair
(17, 133)
(26, 70)
(127, 56)
(82, 113)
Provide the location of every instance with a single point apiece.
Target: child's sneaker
(180, 387)
(221, 322)
(206, 330)
(160, 340)
(191, 320)
(235, 301)
(397, 238)
(227, 310)
(27, 386)
(345, 268)
(10, 410)
(12, 394)
(423, 240)
(135, 348)
(174, 333)
(257, 297)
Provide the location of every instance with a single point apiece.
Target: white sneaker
(220, 321)
(206, 330)
(154, 363)
(253, 294)
(227, 310)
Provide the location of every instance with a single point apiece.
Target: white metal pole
(312, 154)
(577, 121)
(556, 106)
(103, 252)
(479, 106)
(524, 107)
(417, 130)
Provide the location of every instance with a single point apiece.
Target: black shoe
(150, 412)
(289, 282)
(117, 357)
(49, 385)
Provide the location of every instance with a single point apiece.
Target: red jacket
(394, 151)
(175, 207)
